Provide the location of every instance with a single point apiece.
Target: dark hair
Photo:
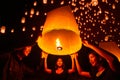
(100, 59)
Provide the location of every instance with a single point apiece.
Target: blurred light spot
(31, 35)
(32, 11)
(33, 28)
(23, 20)
(44, 1)
(26, 13)
(2, 29)
(113, 6)
(12, 30)
(37, 13)
(23, 29)
(94, 2)
(62, 2)
(35, 3)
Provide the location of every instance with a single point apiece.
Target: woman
(14, 67)
(59, 72)
(103, 65)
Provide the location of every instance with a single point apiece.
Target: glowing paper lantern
(60, 35)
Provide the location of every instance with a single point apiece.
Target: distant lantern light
(113, 6)
(116, 1)
(37, 13)
(52, 1)
(31, 15)
(32, 11)
(60, 34)
(62, 2)
(106, 38)
(105, 1)
(3, 29)
(23, 29)
(45, 14)
(35, 3)
(33, 28)
(44, 1)
(23, 20)
(31, 35)
(94, 2)
(26, 13)
(41, 28)
(12, 30)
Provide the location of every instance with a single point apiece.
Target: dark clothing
(14, 68)
(107, 74)
(62, 76)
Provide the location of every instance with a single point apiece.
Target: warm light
(45, 1)
(35, 3)
(94, 2)
(113, 6)
(33, 28)
(60, 34)
(31, 15)
(23, 20)
(26, 13)
(52, 1)
(12, 30)
(23, 29)
(31, 35)
(32, 11)
(2, 29)
(58, 44)
(37, 13)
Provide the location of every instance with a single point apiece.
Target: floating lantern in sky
(23, 20)
(60, 35)
(2, 29)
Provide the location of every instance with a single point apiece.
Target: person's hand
(72, 56)
(75, 55)
(85, 43)
(44, 55)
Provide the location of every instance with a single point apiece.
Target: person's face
(27, 50)
(59, 62)
(92, 59)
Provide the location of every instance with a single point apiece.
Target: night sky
(21, 21)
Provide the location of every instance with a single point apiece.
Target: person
(59, 72)
(14, 67)
(104, 66)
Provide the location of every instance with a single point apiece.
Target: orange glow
(58, 44)
(60, 34)
(2, 29)
(23, 20)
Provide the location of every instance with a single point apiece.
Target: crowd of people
(103, 66)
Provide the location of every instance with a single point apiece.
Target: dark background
(11, 12)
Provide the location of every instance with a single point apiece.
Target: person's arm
(101, 53)
(45, 55)
(73, 65)
(79, 69)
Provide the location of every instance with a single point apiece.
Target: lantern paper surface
(60, 35)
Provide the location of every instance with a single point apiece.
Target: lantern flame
(58, 44)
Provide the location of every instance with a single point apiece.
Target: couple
(104, 66)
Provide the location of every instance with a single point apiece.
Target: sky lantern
(60, 35)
